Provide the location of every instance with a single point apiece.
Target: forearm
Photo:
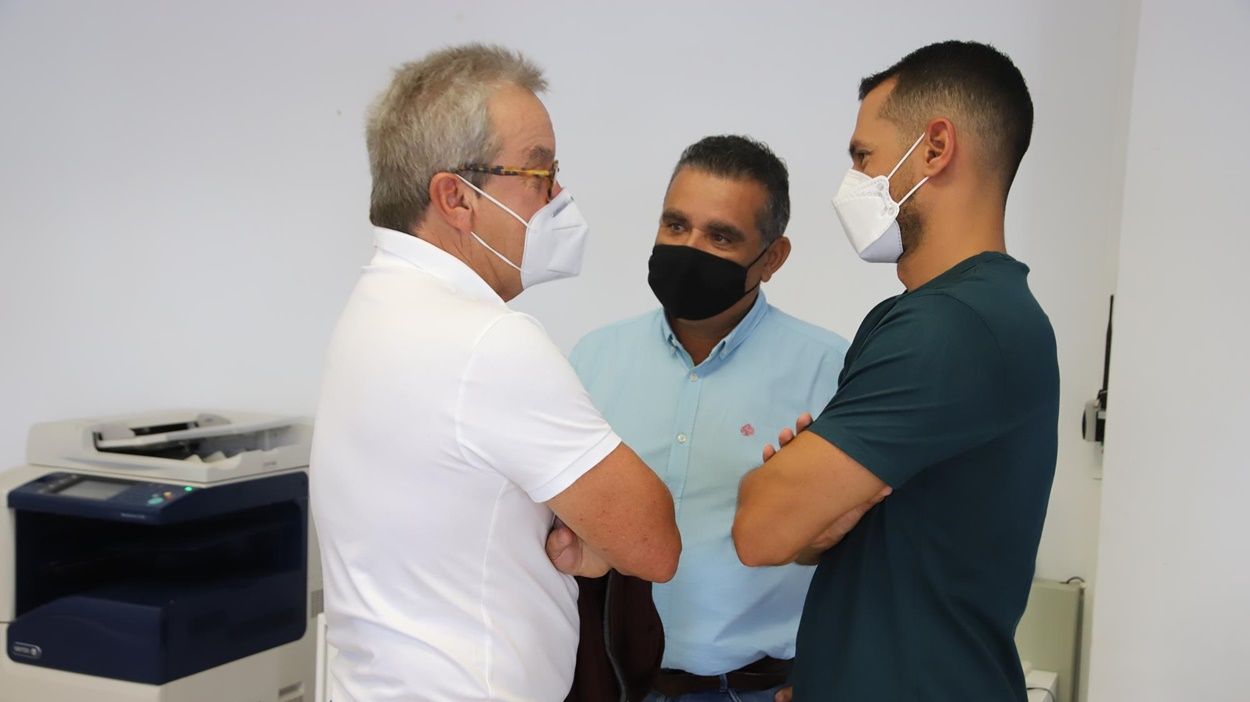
(805, 498)
(624, 513)
(762, 533)
(810, 555)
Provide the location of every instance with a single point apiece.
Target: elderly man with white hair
(453, 441)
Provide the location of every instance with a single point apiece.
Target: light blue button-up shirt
(701, 428)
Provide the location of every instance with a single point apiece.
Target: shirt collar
(435, 261)
(732, 340)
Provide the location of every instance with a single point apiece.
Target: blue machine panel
(150, 582)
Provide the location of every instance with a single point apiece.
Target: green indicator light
(188, 488)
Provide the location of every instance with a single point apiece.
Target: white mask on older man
(555, 239)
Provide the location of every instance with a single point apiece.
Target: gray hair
(432, 118)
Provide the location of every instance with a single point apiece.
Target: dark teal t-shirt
(949, 394)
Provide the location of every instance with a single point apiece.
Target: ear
(937, 151)
(450, 201)
(776, 257)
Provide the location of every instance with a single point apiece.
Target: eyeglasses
(548, 174)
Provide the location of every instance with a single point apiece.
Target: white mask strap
(504, 207)
(492, 250)
(900, 165)
(897, 166)
(913, 190)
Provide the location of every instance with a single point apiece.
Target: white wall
(183, 186)
(1173, 614)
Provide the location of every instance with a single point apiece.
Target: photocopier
(160, 558)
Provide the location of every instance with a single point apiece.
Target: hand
(786, 435)
(785, 694)
(572, 556)
(839, 529)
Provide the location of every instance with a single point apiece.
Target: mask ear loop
(752, 263)
(913, 191)
(492, 250)
(488, 196)
(900, 165)
(502, 206)
(757, 258)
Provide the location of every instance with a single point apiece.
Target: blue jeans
(725, 694)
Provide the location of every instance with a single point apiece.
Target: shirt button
(694, 377)
(681, 438)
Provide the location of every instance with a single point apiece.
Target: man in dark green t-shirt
(948, 398)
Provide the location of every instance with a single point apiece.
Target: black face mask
(694, 284)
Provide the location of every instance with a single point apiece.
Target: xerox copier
(160, 558)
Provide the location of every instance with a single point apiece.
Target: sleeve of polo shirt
(580, 357)
(523, 413)
(926, 387)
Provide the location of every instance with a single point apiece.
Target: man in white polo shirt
(451, 432)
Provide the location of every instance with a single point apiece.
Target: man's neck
(698, 338)
(472, 254)
(943, 247)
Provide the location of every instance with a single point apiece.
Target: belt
(764, 674)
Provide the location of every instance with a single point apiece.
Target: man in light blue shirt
(697, 390)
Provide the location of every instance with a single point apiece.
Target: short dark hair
(740, 157)
(974, 81)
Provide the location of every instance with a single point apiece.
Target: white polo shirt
(446, 420)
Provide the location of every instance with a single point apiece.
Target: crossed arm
(802, 501)
(618, 515)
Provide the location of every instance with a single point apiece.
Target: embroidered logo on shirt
(747, 430)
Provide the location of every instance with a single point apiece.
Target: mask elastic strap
(487, 195)
(752, 263)
(913, 190)
(766, 246)
(897, 166)
(757, 258)
(900, 165)
(492, 250)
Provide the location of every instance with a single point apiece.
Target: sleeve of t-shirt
(826, 382)
(523, 413)
(926, 386)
